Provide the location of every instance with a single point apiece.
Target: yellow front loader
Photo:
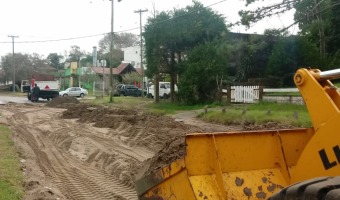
(275, 164)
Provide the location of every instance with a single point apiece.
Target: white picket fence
(251, 94)
(245, 94)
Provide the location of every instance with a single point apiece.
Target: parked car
(74, 92)
(164, 90)
(127, 90)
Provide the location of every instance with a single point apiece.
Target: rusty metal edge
(156, 177)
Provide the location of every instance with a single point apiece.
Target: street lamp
(111, 47)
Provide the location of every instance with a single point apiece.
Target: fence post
(94, 88)
(229, 94)
(260, 93)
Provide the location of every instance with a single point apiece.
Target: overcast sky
(46, 20)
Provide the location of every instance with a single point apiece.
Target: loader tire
(322, 188)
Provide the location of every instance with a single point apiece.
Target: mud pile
(160, 134)
(267, 126)
(62, 102)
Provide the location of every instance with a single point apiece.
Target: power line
(89, 36)
(57, 40)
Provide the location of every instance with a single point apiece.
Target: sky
(46, 26)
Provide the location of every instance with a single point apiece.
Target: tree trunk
(322, 38)
(172, 76)
(156, 88)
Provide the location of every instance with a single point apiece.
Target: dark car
(127, 90)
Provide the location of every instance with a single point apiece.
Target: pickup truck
(127, 90)
(164, 90)
(49, 87)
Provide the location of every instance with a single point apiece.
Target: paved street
(17, 99)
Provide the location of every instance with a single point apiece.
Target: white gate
(245, 94)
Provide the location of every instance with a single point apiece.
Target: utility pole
(140, 11)
(111, 47)
(13, 36)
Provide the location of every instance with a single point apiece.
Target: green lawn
(287, 114)
(237, 114)
(11, 178)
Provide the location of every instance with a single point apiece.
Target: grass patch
(287, 114)
(172, 108)
(161, 108)
(293, 94)
(11, 178)
(124, 102)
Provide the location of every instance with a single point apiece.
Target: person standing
(35, 93)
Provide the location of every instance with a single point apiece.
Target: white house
(132, 55)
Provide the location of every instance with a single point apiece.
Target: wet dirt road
(65, 159)
(89, 152)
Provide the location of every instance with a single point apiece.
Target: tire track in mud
(97, 170)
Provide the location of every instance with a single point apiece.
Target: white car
(74, 92)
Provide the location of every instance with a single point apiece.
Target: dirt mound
(267, 126)
(62, 102)
(160, 134)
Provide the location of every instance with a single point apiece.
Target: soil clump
(162, 134)
(62, 102)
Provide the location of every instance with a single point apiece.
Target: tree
(75, 54)
(155, 37)
(334, 40)
(289, 54)
(314, 21)
(204, 70)
(54, 60)
(249, 17)
(170, 35)
(247, 54)
(313, 17)
(118, 56)
(25, 66)
(120, 40)
(131, 78)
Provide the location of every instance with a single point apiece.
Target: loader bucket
(229, 165)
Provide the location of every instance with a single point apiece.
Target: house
(75, 76)
(122, 69)
(132, 55)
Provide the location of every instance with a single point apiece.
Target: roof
(104, 70)
(125, 68)
(139, 71)
(121, 69)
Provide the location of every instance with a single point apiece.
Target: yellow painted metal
(170, 182)
(254, 184)
(256, 164)
(321, 157)
(230, 165)
(322, 98)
